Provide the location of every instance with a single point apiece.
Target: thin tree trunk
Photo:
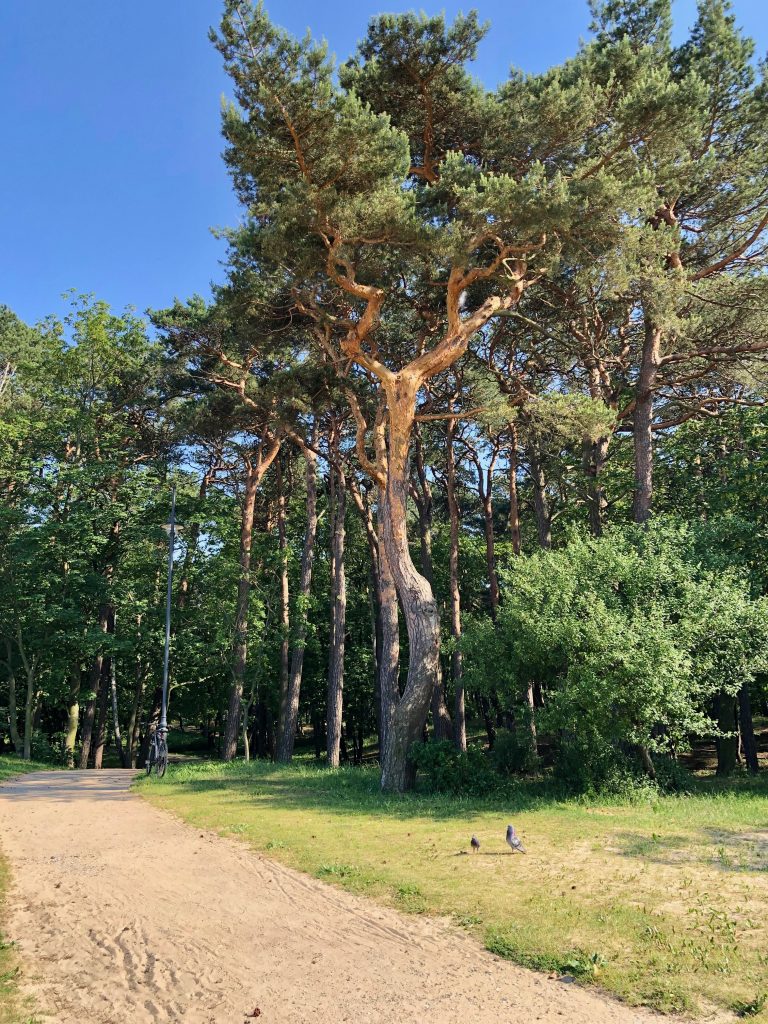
(102, 721)
(73, 715)
(13, 721)
(457, 668)
(747, 730)
(595, 456)
(532, 721)
(514, 504)
(94, 683)
(285, 619)
(115, 716)
(540, 502)
(643, 423)
(134, 721)
(240, 659)
(246, 741)
(29, 709)
(339, 615)
(255, 470)
(290, 711)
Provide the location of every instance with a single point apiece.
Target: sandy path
(123, 913)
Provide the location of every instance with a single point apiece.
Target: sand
(123, 913)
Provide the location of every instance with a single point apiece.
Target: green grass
(663, 902)
(13, 1007)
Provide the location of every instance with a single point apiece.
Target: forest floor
(661, 901)
(122, 912)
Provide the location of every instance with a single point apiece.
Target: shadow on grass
(736, 851)
(350, 791)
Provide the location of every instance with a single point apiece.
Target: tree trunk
(727, 746)
(514, 504)
(285, 737)
(94, 683)
(73, 715)
(460, 722)
(747, 730)
(121, 753)
(540, 502)
(134, 723)
(13, 721)
(29, 710)
(389, 651)
(643, 423)
(240, 652)
(102, 721)
(419, 606)
(291, 708)
(441, 718)
(339, 615)
(595, 456)
(534, 743)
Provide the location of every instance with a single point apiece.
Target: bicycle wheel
(162, 758)
(149, 762)
(151, 756)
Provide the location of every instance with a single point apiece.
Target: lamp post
(171, 528)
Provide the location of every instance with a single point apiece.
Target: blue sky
(111, 176)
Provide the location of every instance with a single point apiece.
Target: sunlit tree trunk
(290, 710)
(643, 423)
(457, 667)
(254, 473)
(338, 618)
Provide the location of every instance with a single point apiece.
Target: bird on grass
(475, 844)
(513, 840)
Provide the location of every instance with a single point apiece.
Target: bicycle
(158, 753)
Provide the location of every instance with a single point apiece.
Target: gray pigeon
(513, 839)
(475, 844)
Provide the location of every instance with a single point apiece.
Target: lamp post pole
(171, 539)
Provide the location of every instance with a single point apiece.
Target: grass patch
(14, 1008)
(662, 901)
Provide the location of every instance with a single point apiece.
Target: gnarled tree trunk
(418, 603)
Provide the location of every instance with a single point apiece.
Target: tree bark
(134, 723)
(540, 502)
(441, 718)
(595, 457)
(102, 721)
(727, 746)
(389, 651)
(514, 504)
(419, 606)
(254, 473)
(240, 659)
(94, 683)
(339, 614)
(121, 753)
(460, 722)
(13, 720)
(290, 711)
(747, 730)
(73, 715)
(283, 740)
(643, 423)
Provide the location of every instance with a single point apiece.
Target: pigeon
(513, 839)
(475, 844)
